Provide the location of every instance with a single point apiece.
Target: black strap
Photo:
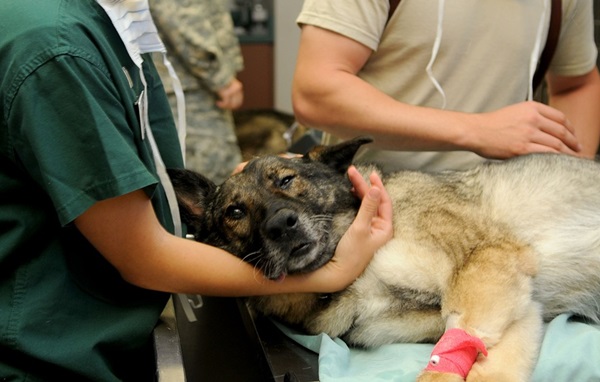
(393, 6)
(551, 42)
(549, 48)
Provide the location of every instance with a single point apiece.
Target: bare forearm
(581, 105)
(126, 232)
(346, 106)
(185, 266)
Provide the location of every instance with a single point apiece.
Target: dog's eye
(285, 182)
(235, 212)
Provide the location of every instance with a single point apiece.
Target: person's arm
(327, 94)
(579, 98)
(126, 231)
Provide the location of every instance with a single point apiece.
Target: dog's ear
(339, 157)
(192, 190)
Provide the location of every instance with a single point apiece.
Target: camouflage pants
(211, 144)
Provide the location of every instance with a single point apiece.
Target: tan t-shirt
(483, 62)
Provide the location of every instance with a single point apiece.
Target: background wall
(254, 26)
(269, 57)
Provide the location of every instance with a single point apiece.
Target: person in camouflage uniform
(206, 55)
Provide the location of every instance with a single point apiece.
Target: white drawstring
(161, 169)
(142, 103)
(180, 100)
(535, 54)
(434, 52)
(533, 62)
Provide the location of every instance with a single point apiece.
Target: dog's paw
(434, 376)
(482, 374)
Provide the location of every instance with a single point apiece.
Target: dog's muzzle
(282, 225)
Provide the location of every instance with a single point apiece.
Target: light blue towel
(570, 353)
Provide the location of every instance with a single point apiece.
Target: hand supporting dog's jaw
(372, 228)
(339, 255)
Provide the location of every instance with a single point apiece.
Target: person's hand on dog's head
(371, 229)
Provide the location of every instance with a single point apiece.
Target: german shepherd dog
(493, 251)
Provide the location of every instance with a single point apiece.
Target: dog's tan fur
(493, 250)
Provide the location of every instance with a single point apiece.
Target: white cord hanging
(435, 50)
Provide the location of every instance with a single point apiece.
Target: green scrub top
(69, 136)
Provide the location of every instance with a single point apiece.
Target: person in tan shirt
(446, 86)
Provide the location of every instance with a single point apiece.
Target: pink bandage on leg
(455, 353)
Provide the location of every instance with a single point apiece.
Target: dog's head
(283, 215)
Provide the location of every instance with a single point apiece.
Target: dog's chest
(407, 273)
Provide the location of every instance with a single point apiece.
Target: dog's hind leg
(489, 301)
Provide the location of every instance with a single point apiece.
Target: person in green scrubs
(87, 255)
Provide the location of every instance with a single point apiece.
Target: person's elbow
(302, 107)
(135, 278)
(309, 103)
(561, 85)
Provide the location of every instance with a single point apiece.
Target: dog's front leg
(515, 356)
(488, 306)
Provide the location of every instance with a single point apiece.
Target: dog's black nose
(281, 224)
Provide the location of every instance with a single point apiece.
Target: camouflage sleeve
(200, 33)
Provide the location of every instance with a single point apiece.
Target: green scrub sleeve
(76, 135)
